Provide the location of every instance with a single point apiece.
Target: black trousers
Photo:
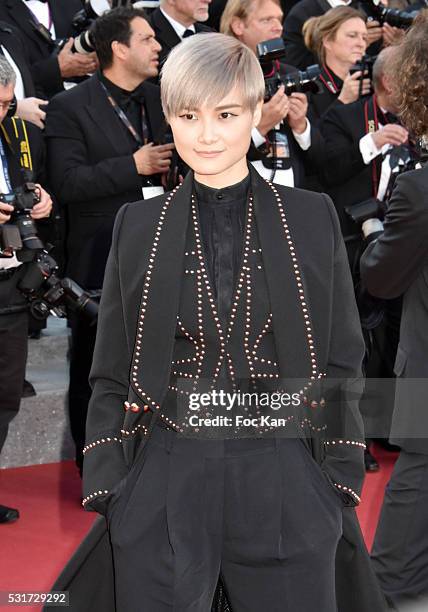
(13, 358)
(79, 392)
(400, 548)
(260, 513)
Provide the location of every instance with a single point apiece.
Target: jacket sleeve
(391, 263)
(72, 176)
(344, 439)
(342, 157)
(104, 464)
(296, 51)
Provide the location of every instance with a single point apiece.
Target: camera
(22, 199)
(269, 52)
(44, 290)
(394, 17)
(365, 66)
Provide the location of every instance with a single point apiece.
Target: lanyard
(330, 83)
(372, 125)
(5, 167)
(119, 112)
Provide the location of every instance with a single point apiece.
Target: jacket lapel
(151, 364)
(155, 117)
(102, 113)
(285, 283)
(23, 19)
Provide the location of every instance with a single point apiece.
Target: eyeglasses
(4, 106)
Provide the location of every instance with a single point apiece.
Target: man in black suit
(396, 263)
(356, 137)
(359, 146)
(285, 147)
(17, 156)
(40, 23)
(178, 19)
(101, 154)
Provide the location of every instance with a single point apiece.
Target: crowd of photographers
(82, 127)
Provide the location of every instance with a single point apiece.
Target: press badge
(151, 192)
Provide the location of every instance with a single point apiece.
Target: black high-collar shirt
(222, 215)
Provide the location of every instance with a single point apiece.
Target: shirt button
(219, 196)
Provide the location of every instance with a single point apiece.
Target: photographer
(338, 40)
(359, 138)
(14, 171)
(40, 23)
(285, 147)
(101, 154)
(396, 263)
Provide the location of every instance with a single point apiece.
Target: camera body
(394, 17)
(44, 290)
(269, 53)
(22, 199)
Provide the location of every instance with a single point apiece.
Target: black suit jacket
(296, 51)
(166, 35)
(92, 171)
(344, 175)
(316, 236)
(43, 61)
(395, 264)
(9, 38)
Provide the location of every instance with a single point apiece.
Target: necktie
(188, 33)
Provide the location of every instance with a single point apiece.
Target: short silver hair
(204, 68)
(7, 73)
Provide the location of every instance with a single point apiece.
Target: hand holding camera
(43, 208)
(352, 88)
(391, 134)
(5, 212)
(153, 159)
(297, 112)
(75, 64)
(274, 111)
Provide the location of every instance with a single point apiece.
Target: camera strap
(327, 78)
(19, 143)
(5, 167)
(124, 119)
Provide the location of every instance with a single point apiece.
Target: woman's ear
(257, 115)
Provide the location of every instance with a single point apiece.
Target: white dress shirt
(19, 86)
(179, 29)
(282, 177)
(42, 13)
(369, 151)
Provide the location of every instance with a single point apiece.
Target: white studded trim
(300, 289)
(143, 307)
(124, 432)
(99, 442)
(93, 496)
(348, 490)
(308, 423)
(347, 442)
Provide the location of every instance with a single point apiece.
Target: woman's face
(214, 141)
(349, 44)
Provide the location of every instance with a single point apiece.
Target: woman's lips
(208, 153)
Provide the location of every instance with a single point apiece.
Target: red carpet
(34, 549)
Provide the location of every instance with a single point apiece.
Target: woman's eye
(188, 116)
(226, 115)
